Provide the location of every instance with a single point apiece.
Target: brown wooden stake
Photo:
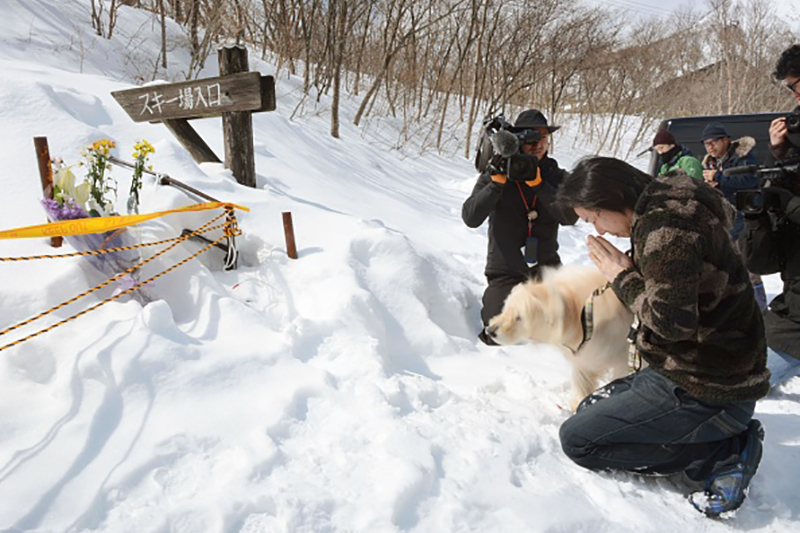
(288, 232)
(189, 138)
(237, 127)
(46, 175)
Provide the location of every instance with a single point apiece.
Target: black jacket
(773, 245)
(502, 204)
(771, 248)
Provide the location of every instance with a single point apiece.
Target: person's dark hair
(788, 64)
(603, 183)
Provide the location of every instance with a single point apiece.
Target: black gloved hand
(497, 165)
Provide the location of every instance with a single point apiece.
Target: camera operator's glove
(497, 169)
(789, 202)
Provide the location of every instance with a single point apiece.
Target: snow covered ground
(341, 392)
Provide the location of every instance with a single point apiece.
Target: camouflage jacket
(700, 325)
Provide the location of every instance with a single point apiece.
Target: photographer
(523, 222)
(787, 70)
(772, 237)
(723, 153)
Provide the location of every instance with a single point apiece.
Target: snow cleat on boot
(725, 489)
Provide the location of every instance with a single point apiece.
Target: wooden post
(46, 176)
(237, 127)
(288, 232)
(189, 138)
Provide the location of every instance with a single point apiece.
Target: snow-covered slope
(343, 391)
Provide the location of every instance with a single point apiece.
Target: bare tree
(440, 66)
(101, 27)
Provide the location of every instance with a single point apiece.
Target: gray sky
(787, 9)
(658, 8)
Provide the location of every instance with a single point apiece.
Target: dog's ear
(530, 305)
(554, 308)
(572, 306)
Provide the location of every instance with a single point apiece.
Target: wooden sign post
(234, 95)
(46, 176)
(237, 126)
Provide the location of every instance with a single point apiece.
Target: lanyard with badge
(531, 249)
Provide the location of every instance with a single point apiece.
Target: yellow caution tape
(85, 226)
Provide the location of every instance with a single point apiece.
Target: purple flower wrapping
(109, 264)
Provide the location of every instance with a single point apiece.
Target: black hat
(715, 130)
(532, 118)
(664, 137)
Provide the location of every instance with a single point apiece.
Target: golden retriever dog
(549, 311)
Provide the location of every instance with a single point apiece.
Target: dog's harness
(587, 324)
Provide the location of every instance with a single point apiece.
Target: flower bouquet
(91, 198)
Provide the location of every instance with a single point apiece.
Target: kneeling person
(701, 332)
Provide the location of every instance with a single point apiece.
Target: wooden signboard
(209, 97)
(234, 96)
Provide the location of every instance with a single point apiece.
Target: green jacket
(682, 159)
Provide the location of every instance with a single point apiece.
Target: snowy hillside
(341, 392)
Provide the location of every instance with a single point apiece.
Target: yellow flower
(143, 148)
(103, 146)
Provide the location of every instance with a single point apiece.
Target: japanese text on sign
(188, 98)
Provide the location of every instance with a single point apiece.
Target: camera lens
(793, 123)
(749, 202)
(522, 167)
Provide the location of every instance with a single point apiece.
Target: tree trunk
(163, 35)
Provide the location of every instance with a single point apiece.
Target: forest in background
(441, 66)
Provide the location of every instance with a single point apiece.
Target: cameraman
(787, 70)
(523, 222)
(772, 238)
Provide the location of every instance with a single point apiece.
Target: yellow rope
(90, 252)
(230, 229)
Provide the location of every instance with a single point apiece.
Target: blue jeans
(648, 424)
(782, 366)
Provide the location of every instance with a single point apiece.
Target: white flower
(65, 181)
(81, 194)
(101, 210)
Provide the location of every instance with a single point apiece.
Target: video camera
(499, 150)
(755, 202)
